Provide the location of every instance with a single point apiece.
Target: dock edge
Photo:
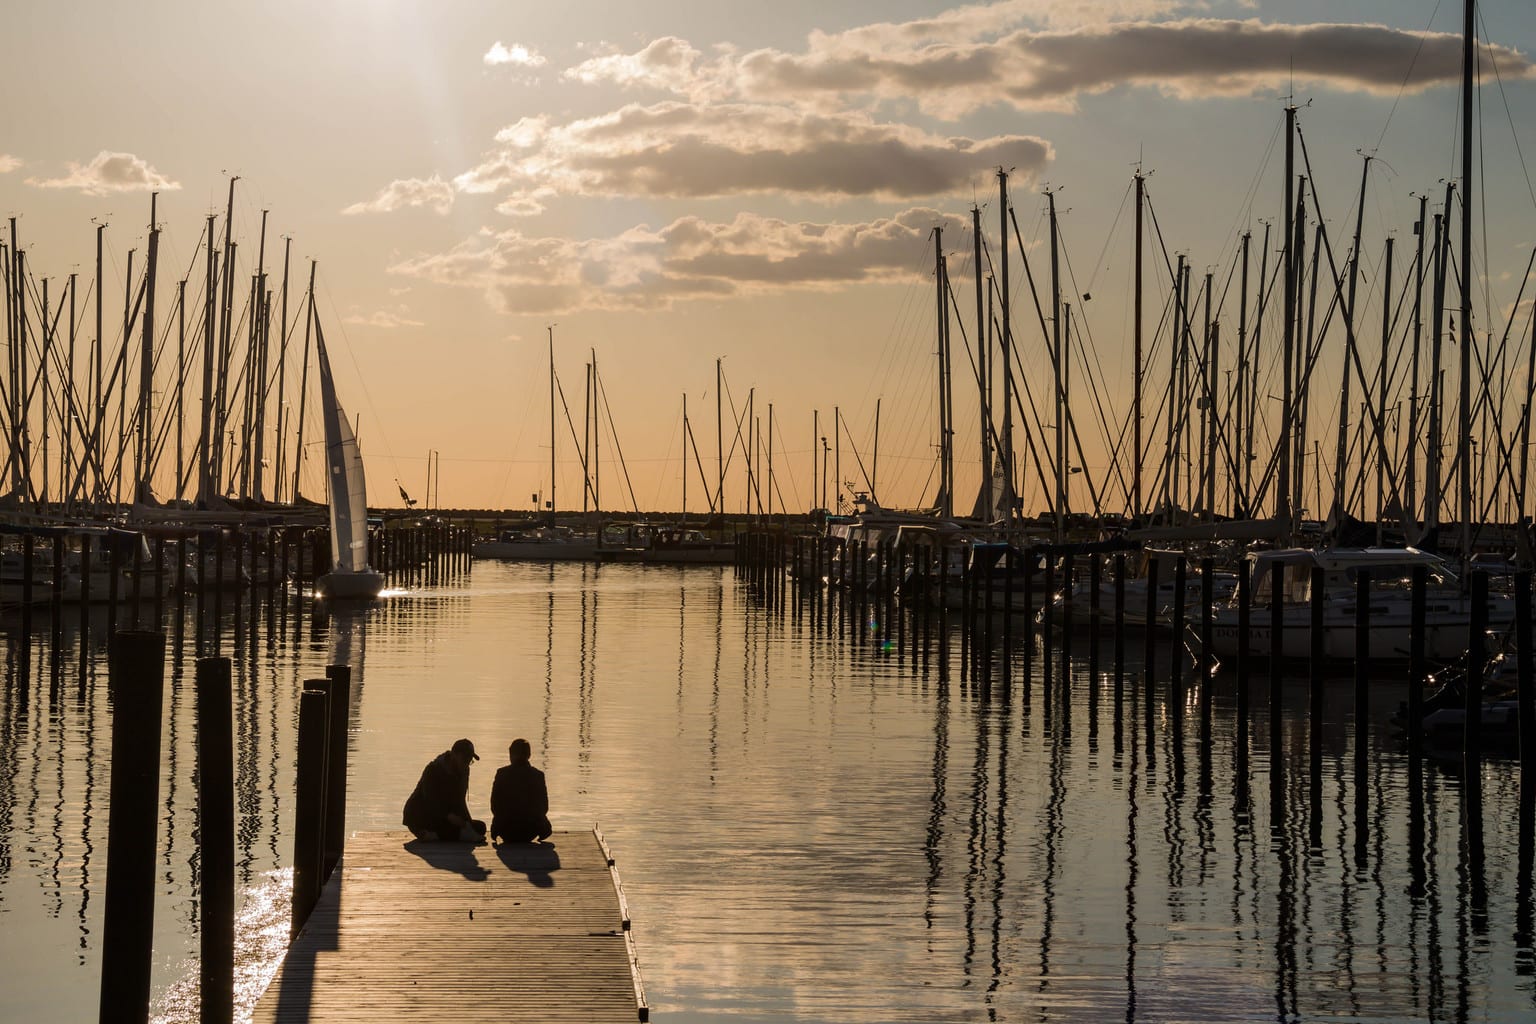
(641, 1008)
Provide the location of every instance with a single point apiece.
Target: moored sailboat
(347, 497)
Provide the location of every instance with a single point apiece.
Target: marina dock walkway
(409, 931)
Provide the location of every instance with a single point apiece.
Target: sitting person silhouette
(519, 799)
(436, 810)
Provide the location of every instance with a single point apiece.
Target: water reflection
(814, 824)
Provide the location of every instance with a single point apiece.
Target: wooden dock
(410, 931)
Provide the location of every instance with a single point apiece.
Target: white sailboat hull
(344, 586)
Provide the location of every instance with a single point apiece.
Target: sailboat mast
(1342, 453)
(982, 381)
(1212, 375)
(1525, 418)
(1136, 506)
(1283, 479)
(1381, 391)
(686, 436)
(42, 376)
(946, 483)
(1411, 502)
(551, 330)
(98, 399)
(1239, 478)
(586, 441)
(1007, 347)
(226, 310)
(1175, 397)
(14, 316)
(1056, 354)
(122, 391)
(597, 423)
(818, 488)
(874, 461)
(181, 391)
(70, 404)
(770, 451)
(1464, 427)
(147, 357)
(309, 320)
(1253, 376)
(282, 365)
(205, 417)
(1434, 457)
(719, 444)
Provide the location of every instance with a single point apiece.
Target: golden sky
(669, 184)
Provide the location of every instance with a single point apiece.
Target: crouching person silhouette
(519, 799)
(436, 809)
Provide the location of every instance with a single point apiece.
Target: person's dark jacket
(440, 792)
(519, 802)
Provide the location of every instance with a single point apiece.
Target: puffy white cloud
(690, 258)
(516, 55)
(962, 60)
(406, 192)
(677, 149)
(110, 172)
(667, 63)
(8, 163)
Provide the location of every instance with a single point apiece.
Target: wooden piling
(338, 711)
(137, 675)
(309, 810)
(216, 839)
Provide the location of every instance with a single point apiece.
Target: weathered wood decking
(406, 930)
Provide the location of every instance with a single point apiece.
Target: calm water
(808, 828)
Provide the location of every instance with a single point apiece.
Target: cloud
(383, 318)
(516, 54)
(404, 192)
(668, 63)
(955, 63)
(688, 259)
(682, 150)
(8, 163)
(110, 172)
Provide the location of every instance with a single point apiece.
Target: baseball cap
(467, 748)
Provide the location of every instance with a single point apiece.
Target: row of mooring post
(136, 681)
(239, 570)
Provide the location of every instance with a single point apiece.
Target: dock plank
(407, 930)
